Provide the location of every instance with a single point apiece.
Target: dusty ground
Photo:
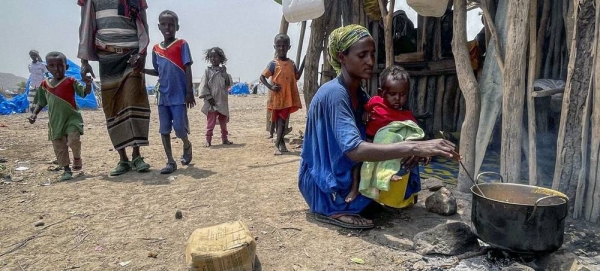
(96, 222)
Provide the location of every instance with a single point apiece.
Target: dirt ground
(97, 222)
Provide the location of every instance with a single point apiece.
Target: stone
(517, 267)
(403, 244)
(451, 239)
(577, 266)
(432, 184)
(178, 214)
(39, 224)
(442, 202)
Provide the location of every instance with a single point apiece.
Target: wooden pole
(387, 14)
(489, 22)
(541, 36)
(513, 86)
(568, 146)
(530, 102)
(470, 90)
(587, 195)
(300, 43)
(283, 27)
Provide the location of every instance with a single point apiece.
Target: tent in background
(239, 89)
(19, 103)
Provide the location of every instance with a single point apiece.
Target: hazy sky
(244, 29)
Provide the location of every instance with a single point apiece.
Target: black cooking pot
(519, 218)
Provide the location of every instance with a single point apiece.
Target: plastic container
(302, 10)
(395, 196)
(432, 8)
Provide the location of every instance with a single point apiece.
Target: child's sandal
(67, 175)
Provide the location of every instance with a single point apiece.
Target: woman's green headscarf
(341, 39)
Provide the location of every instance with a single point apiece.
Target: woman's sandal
(186, 157)
(169, 168)
(227, 142)
(335, 220)
(77, 164)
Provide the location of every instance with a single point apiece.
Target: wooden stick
(530, 102)
(490, 24)
(24, 241)
(547, 92)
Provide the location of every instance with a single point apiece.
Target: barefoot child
(172, 63)
(388, 106)
(64, 119)
(213, 89)
(284, 98)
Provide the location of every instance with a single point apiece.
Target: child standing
(381, 110)
(172, 63)
(284, 98)
(213, 89)
(64, 119)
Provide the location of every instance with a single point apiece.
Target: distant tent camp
(19, 103)
(239, 89)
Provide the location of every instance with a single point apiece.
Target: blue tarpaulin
(239, 89)
(20, 104)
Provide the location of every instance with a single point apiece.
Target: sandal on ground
(122, 168)
(77, 164)
(169, 168)
(227, 142)
(67, 175)
(139, 165)
(334, 220)
(186, 157)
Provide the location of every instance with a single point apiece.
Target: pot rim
(548, 192)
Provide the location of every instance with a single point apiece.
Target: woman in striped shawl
(115, 33)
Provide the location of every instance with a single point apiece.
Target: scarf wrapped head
(341, 39)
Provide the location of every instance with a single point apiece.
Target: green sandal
(139, 165)
(122, 168)
(67, 175)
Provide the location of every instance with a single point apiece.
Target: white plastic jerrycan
(302, 10)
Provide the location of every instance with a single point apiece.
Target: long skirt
(124, 101)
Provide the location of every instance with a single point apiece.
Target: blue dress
(333, 128)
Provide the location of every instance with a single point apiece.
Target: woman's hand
(435, 147)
